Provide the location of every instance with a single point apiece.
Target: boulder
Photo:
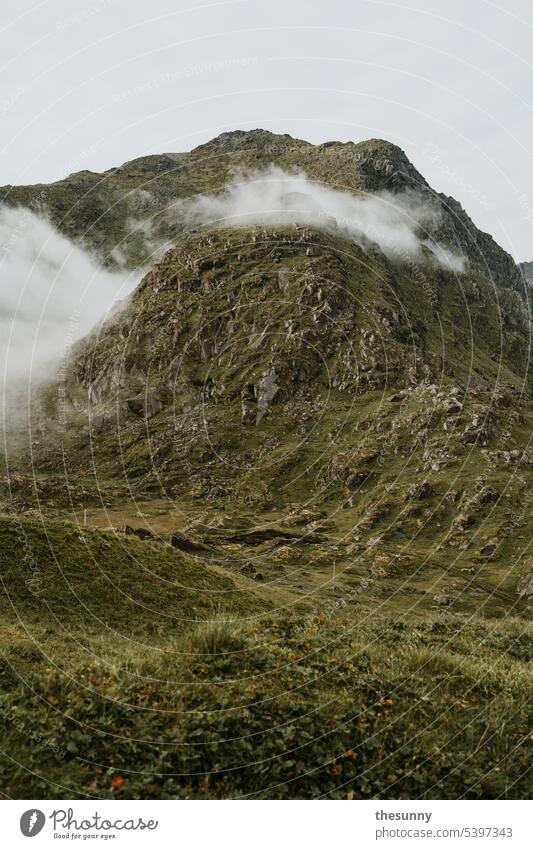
(442, 599)
(524, 586)
(489, 548)
(185, 543)
(143, 533)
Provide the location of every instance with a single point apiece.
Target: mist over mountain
(68, 247)
(126, 213)
(287, 454)
(52, 293)
(397, 223)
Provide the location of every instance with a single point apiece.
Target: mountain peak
(124, 204)
(239, 140)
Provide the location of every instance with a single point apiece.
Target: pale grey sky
(92, 83)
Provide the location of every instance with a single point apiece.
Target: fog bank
(397, 223)
(52, 293)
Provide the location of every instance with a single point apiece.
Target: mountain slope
(322, 401)
(267, 530)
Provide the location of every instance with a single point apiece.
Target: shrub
(216, 637)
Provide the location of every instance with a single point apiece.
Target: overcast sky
(93, 83)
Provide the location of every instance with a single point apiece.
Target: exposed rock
(185, 543)
(146, 407)
(233, 325)
(266, 391)
(124, 529)
(442, 599)
(285, 554)
(141, 533)
(524, 586)
(453, 406)
(420, 490)
(489, 548)
(463, 521)
(381, 565)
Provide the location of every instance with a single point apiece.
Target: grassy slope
(351, 452)
(95, 581)
(353, 707)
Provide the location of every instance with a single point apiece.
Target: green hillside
(267, 532)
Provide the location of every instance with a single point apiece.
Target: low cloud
(51, 294)
(399, 224)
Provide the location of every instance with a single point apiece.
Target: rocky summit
(292, 448)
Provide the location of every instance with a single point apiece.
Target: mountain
(288, 379)
(113, 213)
(297, 463)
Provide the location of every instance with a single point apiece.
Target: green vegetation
(358, 706)
(101, 581)
(306, 475)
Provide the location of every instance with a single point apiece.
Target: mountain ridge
(103, 210)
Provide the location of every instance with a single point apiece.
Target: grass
(69, 577)
(216, 637)
(303, 708)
